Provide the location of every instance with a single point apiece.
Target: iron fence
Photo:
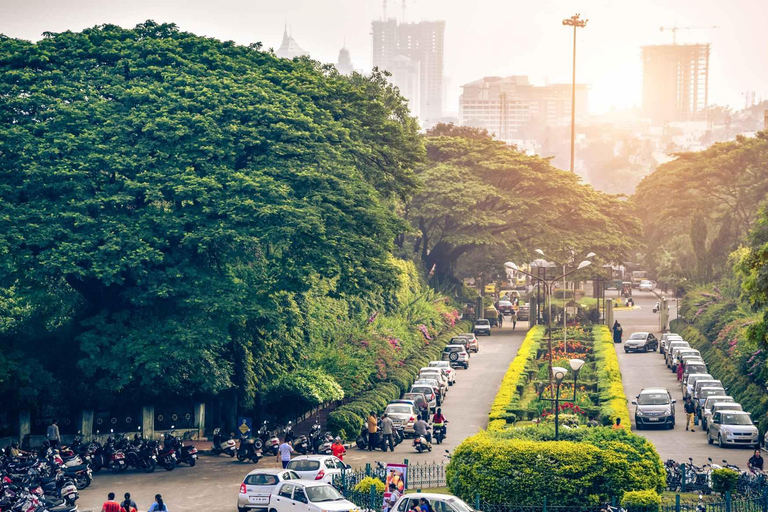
(422, 475)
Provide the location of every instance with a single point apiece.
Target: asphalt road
(641, 370)
(213, 484)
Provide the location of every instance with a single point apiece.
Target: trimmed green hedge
(751, 396)
(641, 501)
(613, 400)
(603, 464)
(348, 419)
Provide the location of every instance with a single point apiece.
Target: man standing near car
(689, 410)
(284, 453)
(387, 427)
(372, 428)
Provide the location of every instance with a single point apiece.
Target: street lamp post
(559, 374)
(575, 22)
(548, 292)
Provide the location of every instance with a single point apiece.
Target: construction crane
(384, 8)
(676, 28)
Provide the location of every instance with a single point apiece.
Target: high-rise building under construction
(413, 53)
(675, 82)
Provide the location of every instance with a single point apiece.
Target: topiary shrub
(724, 480)
(504, 470)
(641, 501)
(365, 485)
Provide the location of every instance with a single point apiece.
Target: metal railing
(422, 475)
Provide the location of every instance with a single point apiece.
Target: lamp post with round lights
(559, 374)
(548, 293)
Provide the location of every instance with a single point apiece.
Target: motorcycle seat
(73, 469)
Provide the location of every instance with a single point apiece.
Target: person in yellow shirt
(372, 428)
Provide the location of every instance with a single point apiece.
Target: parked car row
(720, 416)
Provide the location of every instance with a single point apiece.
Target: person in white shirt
(284, 453)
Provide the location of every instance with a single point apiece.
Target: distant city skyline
(484, 38)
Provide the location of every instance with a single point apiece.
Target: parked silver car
(690, 384)
(679, 353)
(671, 347)
(403, 413)
(733, 429)
(711, 408)
(665, 338)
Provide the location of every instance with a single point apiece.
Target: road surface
(213, 484)
(641, 370)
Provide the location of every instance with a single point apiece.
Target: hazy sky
(483, 37)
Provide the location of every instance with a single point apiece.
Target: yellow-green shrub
(524, 472)
(365, 484)
(641, 501)
(513, 378)
(613, 400)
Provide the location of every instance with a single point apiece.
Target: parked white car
(456, 355)
(482, 326)
(646, 286)
(403, 413)
(445, 366)
(438, 502)
(437, 374)
(318, 467)
(309, 496)
(715, 407)
(666, 338)
(258, 485)
(690, 384)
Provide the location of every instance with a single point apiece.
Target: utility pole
(575, 22)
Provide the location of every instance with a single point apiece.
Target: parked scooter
(221, 445)
(247, 450)
(186, 454)
(300, 443)
(362, 440)
(266, 441)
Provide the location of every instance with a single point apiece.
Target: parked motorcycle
(266, 441)
(362, 440)
(248, 451)
(300, 443)
(221, 445)
(186, 454)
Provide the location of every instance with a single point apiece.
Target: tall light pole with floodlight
(548, 293)
(576, 22)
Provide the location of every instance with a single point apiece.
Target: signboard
(397, 474)
(490, 288)
(571, 308)
(244, 425)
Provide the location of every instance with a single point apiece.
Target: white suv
(482, 326)
(306, 496)
(445, 366)
(456, 355)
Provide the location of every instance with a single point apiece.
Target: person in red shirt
(680, 370)
(337, 449)
(110, 505)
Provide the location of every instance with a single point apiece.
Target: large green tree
(481, 195)
(167, 200)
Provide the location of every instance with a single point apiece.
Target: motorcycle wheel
(231, 453)
(240, 457)
(82, 481)
(151, 465)
(115, 468)
(96, 468)
(169, 466)
(360, 443)
(192, 462)
(258, 444)
(419, 448)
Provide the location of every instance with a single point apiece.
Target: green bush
(350, 416)
(641, 501)
(508, 470)
(724, 480)
(365, 485)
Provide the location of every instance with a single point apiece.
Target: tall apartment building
(675, 81)
(289, 48)
(423, 45)
(509, 106)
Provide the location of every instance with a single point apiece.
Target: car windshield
(691, 368)
(304, 465)
(453, 349)
(261, 479)
(482, 322)
(426, 391)
(653, 399)
(736, 419)
(438, 364)
(638, 336)
(460, 505)
(323, 493)
(726, 407)
(709, 392)
(398, 409)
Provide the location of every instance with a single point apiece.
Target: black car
(641, 342)
(654, 406)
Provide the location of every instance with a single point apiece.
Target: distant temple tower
(289, 47)
(344, 65)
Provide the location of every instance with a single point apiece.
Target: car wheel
(466, 366)
(704, 424)
(626, 351)
(709, 438)
(645, 348)
(719, 440)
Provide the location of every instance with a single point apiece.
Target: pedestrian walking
(110, 505)
(514, 319)
(387, 427)
(158, 505)
(128, 505)
(53, 434)
(337, 449)
(680, 371)
(689, 410)
(284, 452)
(501, 318)
(372, 429)
(617, 332)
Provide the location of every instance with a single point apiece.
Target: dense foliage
(481, 196)
(589, 466)
(697, 208)
(171, 206)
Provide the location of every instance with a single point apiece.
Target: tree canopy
(166, 201)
